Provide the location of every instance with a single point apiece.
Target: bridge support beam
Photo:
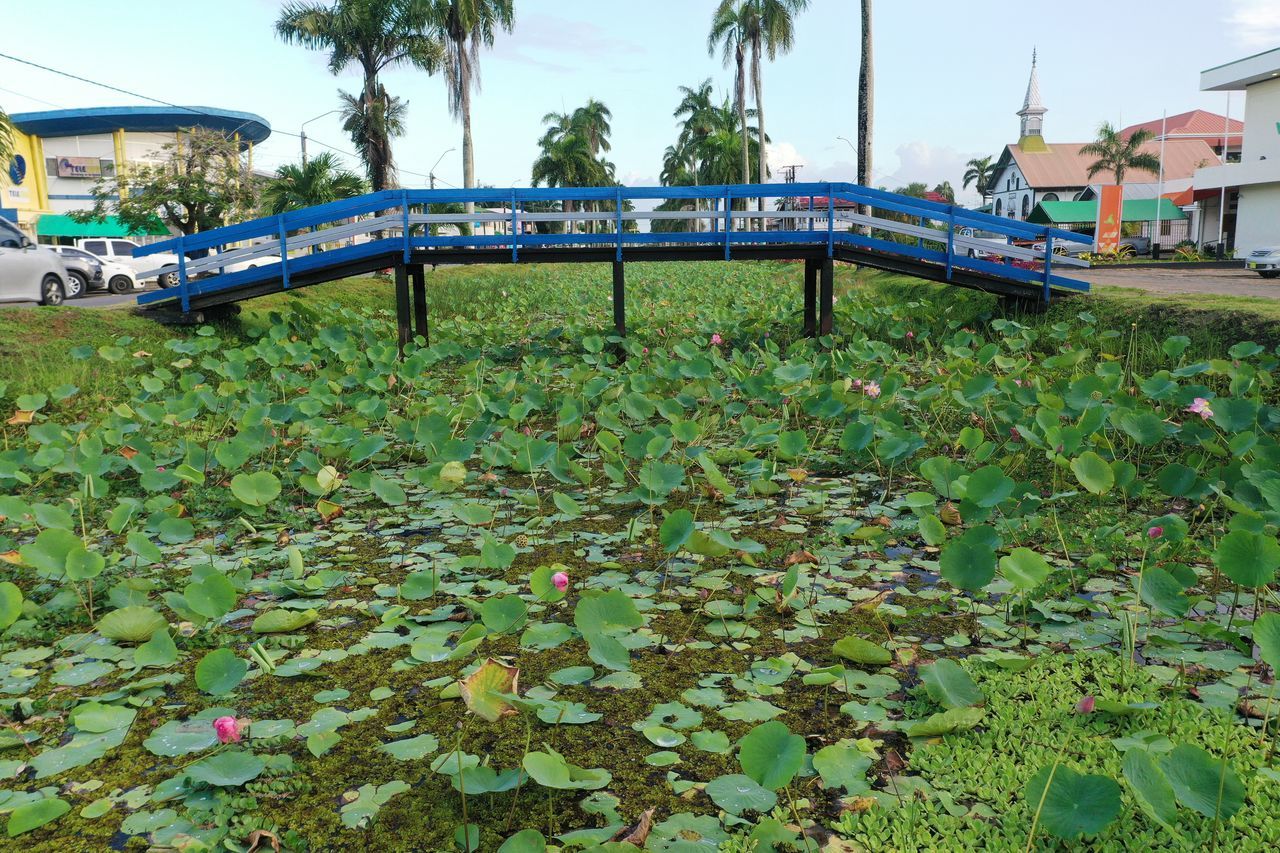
(404, 320)
(619, 298)
(419, 278)
(826, 298)
(811, 266)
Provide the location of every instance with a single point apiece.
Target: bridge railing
(406, 223)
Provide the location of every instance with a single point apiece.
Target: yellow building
(61, 154)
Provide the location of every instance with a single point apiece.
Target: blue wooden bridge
(408, 230)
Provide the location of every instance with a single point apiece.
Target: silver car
(84, 271)
(27, 272)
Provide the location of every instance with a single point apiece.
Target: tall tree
(695, 109)
(980, 173)
(770, 30)
(945, 190)
(866, 103)
(320, 180)
(570, 150)
(374, 35)
(729, 36)
(467, 25)
(1118, 155)
(201, 182)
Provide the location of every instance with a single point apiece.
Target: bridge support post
(419, 278)
(827, 299)
(619, 299)
(403, 319)
(811, 296)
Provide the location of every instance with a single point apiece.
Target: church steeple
(1032, 113)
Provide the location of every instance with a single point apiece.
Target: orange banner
(1110, 214)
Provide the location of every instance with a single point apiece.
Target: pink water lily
(561, 581)
(1200, 406)
(716, 340)
(228, 729)
(871, 389)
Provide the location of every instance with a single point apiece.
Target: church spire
(1032, 112)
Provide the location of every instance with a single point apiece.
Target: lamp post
(431, 173)
(303, 134)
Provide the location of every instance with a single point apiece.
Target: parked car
(1265, 261)
(27, 272)
(121, 251)
(84, 271)
(1130, 247)
(116, 277)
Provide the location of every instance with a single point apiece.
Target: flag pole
(1155, 235)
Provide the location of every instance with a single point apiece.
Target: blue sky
(949, 76)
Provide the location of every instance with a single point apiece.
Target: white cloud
(784, 154)
(1256, 22)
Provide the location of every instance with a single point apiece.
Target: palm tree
(372, 124)
(466, 26)
(945, 190)
(1118, 155)
(591, 122)
(568, 161)
(695, 108)
(980, 173)
(6, 137)
(319, 181)
(866, 104)
(729, 35)
(770, 29)
(374, 35)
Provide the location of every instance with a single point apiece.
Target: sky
(949, 76)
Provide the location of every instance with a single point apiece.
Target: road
(93, 299)
(1216, 282)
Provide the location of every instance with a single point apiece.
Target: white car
(121, 251)
(119, 278)
(1265, 261)
(27, 272)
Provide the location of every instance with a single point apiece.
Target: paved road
(1231, 282)
(94, 299)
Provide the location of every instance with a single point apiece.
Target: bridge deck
(818, 223)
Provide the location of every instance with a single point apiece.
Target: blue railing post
(951, 237)
(284, 252)
(618, 218)
(1048, 263)
(831, 221)
(811, 212)
(182, 275)
(515, 228)
(404, 208)
(728, 220)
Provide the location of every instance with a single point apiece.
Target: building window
(1049, 197)
(1026, 206)
(999, 207)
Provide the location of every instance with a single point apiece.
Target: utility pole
(302, 135)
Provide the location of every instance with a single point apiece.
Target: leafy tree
(729, 36)
(373, 35)
(945, 190)
(465, 26)
(981, 172)
(319, 181)
(1118, 155)
(571, 148)
(201, 183)
(6, 137)
(371, 125)
(770, 30)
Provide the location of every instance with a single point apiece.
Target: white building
(1254, 182)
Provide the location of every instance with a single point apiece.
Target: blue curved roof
(53, 123)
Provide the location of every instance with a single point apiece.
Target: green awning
(1076, 212)
(61, 225)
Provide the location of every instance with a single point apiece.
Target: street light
(431, 173)
(303, 134)
(850, 144)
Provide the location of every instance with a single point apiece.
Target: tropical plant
(945, 190)
(373, 35)
(466, 26)
(320, 180)
(1118, 155)
(201, 181)
(770, 29)
(981, 172)
(729, 36)
(568, 157)
(372, 124)
(6, 137)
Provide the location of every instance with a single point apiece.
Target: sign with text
(79, 167)
(1110, 214)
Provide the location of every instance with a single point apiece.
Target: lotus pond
(942, 581)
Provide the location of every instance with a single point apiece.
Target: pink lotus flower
(228, 729)
(1200, 406)
(871, 389)
(857, 383)
(1085, 705)
(644, 351)
(910, 335)
(561, 581)
(1155, 532)
(716, 340)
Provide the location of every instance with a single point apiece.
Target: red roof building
(1196, 124)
